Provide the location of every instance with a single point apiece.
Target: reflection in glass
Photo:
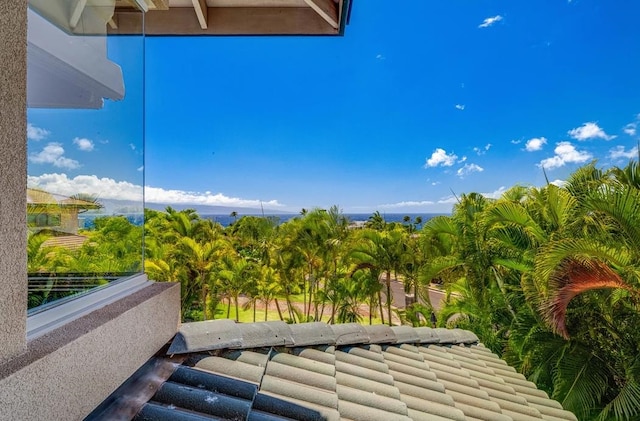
(85, 149)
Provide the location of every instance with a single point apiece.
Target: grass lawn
(246, 316)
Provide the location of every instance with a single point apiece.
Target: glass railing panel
(85, 137)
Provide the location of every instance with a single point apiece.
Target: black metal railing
(44, 288)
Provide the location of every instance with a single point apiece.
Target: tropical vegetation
(547, 277)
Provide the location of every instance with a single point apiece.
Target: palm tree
(376, 221)
(236, 274)
(38, 257)
(565, 263)
(197, 265)
(466, 257)
(352, 291)
(413, 260)
(268, 288)
(380, 252)
(288, 262)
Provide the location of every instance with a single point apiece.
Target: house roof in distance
(274, 371)
(37, 198)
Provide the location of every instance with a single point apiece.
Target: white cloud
(407, 204)
(589, 131)
(380, 57)
(535, 144)
(482, 151)
(36, 133)
(435, 183)
(630, 129)
(496, 194)
(53, 154)
(110, 189)
(132, 146)
(559, 183)
(490, 21)
(105, 188)
(448, 200)
(619, 152)
(565, 153)
(83, 144)
(461, 160)
(452, 199)
(468, 169)
(440, 157)
(140, 168)
(159, 195)
(516, 141)
(459, 107)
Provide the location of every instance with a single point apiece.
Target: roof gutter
(346, 7)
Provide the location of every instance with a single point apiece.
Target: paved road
(398, 295)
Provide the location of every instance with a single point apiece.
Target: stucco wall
(69, 221)
(65, 374)
(13, 177)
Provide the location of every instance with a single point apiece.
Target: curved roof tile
(274, 371)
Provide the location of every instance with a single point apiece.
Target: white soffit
(82, 17)
(69, 71)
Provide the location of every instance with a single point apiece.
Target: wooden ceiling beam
(326, 9)
(76, 13)
(200, 7)
(225, 21)
(160, 4)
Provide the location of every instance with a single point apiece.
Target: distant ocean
(226, 220)
(86, 221)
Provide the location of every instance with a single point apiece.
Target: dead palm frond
(572, 277)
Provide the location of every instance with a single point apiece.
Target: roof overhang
(68, 71)
(232, 17)
(68, 64)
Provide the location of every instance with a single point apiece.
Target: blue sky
(413, 103)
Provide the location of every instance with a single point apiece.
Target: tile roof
(273, 371)
(68, 241)
(36, 197)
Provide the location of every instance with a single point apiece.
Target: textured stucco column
(69, 371)
(13, 173)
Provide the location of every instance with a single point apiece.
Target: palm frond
(551, 255)
(626, 404)
(440, 225)
(514, 214)
(572, 277)
(622, 206)
(436, 266)
(629, 175)
(580, 380)
(514, 264)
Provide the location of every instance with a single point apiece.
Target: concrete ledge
(69, 371)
